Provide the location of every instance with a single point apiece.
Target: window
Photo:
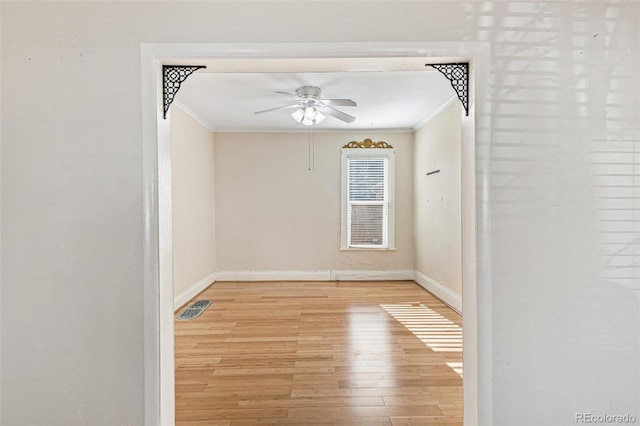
(367, 198)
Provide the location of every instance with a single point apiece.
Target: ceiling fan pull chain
(312, 149)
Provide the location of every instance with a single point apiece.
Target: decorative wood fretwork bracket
(367, 143)
(172, 77)
(458, 76)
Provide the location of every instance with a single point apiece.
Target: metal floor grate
(200, 304)
(194, 310)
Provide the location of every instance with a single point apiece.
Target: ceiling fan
(311, 109)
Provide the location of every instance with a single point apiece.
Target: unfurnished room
(315, 243)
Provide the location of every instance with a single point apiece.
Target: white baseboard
(448, 296)
(397, 275)
(192, 291)
(328, 275)
(272, 276)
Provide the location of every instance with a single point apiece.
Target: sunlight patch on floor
(437, 332)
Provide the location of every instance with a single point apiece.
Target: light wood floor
(312, 353)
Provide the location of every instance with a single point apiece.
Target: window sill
(367, 249)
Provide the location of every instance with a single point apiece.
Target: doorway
(159, 381)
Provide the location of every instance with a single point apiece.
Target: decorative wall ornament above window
(367, 143)
(172, 77)
(458, 75)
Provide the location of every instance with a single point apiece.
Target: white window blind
(368, 202)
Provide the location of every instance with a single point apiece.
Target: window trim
(389, 154)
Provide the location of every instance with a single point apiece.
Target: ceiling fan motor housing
(311, 92)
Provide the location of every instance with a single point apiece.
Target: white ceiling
(225, 101)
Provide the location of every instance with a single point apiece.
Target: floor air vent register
(194, 310)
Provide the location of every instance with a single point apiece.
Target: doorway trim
(159, 380)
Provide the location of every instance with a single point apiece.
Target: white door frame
(158, 270)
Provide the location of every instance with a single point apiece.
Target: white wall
(193, 193)
(278, 207)
(437, 205)
(559, 121)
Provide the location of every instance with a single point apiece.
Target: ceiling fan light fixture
(298, 115)
(308, 115)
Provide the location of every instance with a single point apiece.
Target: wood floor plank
(319, 353)
(426, 421)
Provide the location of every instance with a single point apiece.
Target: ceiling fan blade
(286, 93)
(338, 114)
(339, 102)
(276, 109)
